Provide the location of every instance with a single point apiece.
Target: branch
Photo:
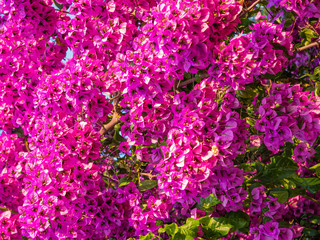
(249, 8)
(314, 44)
(110, 125)
(117, 96)
(109, 177)
(149, 175)
(191, 80)
(311, 198)
(6, 209)
(115, 118)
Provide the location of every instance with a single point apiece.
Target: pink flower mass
(172, 119)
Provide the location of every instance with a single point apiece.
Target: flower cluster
(263, 207)
(26, 52)
(9, 226)
(100, 29)
(303, 8)
(12, 166)
(259, 52)
(64, 194)
(75, 91)
(191, 28)
(204, 138)
(289, 112)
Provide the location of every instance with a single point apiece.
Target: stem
(110, 178)
(113, 98)
(149, 175)
(311, 198)
(26, 143)
(116, 115)
(314, 44)
(191, 80)
(7, 209)
(269, 13)
(249, 8)
(110, 125)
(98, 28)
(17, 48)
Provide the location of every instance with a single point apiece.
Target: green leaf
(288, 23)
(308, 34)
(207, 203)
(247, 93)
(283, 224)
(267, 219)
(316, 168)
(171, 229)
(274, 175)
(164, 143)
(149, 236)
(311, 184)
(117, 135)
(248, 167)
(294, 192)
(198, 78)
(180, 236)
(244, 26)
(152, 145)
(283, 161)
(189, 238)
(315, 220)
(187, 75)
(278, 169)
(250, 121)
(238, 220)
(124, 181)
(317, 71)
(147, 184)
(280, 47)
(317, 155)
(288, 151)
(281, 194)
(159, 223)
(317, 89)
(311, 232)
(191, 228)
(58, 5)
(214, 228)
(312, 77)
(269, 76)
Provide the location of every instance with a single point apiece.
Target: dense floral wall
(172, 119)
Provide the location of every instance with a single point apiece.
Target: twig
(311, 198)
(149, 175)
(115, 118)
(7, 209)
(110, 125)
(249, 8)
(113, 98)
(109, 177)
(269, 13)
(314, 44)
(202, 76)
(26, 143)
(98, 28)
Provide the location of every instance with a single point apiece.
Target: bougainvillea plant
(172, 119)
